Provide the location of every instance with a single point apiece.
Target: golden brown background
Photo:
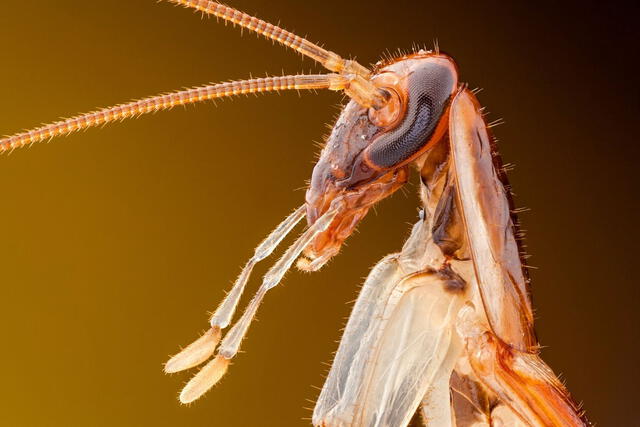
(116, 243)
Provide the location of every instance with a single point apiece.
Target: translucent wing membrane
(170, 100)
(399, 346)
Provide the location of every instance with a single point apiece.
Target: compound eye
(389, 115)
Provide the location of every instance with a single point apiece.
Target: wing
(486, 212)
(399, 346)
(504, 359)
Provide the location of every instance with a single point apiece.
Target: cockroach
(445, 326)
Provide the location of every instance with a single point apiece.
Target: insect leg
(474, 405)
(519, 379)
(470, 402)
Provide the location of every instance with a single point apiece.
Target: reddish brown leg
(519, 379)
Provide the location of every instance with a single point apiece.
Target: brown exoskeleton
(445, 326)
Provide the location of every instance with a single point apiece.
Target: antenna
(349, 76)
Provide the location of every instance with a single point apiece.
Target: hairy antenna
(362, 90)
(353, 78)
(330, 60)
(170, 100)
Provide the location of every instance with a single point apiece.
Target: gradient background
(116, 243)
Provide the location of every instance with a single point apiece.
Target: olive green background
(117, 242)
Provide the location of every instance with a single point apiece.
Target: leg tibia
(519, 379)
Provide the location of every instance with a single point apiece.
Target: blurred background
(116, 243)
